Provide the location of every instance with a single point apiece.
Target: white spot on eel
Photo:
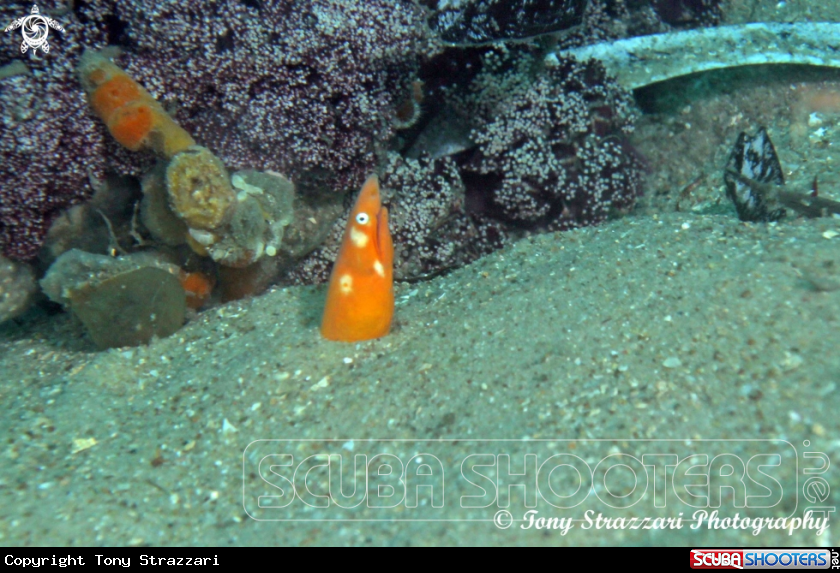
(359, 238)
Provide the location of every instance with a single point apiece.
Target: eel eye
(362, 218)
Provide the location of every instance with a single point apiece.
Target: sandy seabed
(658, 338)
(651, 333)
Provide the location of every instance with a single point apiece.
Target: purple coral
(304, 88)
(551, 151)
(42, 173)
(432, 228)
(50, 145)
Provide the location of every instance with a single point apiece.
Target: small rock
(791, 362)
(323, 383)
(82, 444)
(672, 362)
(227, 427)
(828, 389)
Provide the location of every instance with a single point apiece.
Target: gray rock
(123, 301)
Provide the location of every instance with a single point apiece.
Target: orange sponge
(131, 124)
(134, 118)
(113, 94)
(198, 287)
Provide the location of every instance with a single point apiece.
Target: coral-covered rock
(551, 151)
(303, 88)
(605, 20)
(313, 90)
(432, 229)
(308, 89)
(470, 22)
(546, 151)
(234, 220)
(688, 13)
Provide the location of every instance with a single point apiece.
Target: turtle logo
(34, 29)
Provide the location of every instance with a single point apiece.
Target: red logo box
(717, 559)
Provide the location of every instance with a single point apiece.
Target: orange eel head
(360, 297)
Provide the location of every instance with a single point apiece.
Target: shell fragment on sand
(754, 159)
(644, 60)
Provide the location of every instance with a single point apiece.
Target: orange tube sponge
(131, 124)
(134, 118)
(109, 96)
